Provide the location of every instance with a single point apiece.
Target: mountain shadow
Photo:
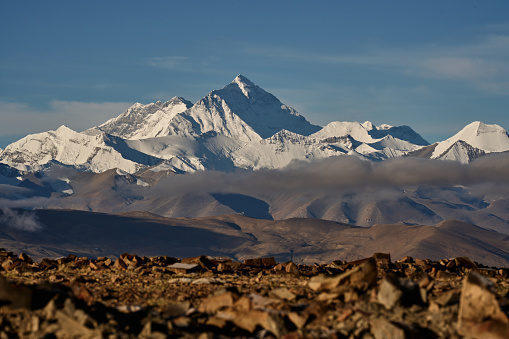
(248, 206)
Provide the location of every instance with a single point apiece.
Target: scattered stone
(394, 291)
(282, 293)
(292, 269)
(480, 315)
(136, 296)
(260, 262)
(298, 320)
(216, 302)
(384, 329)
(364, 274)
(181, 268)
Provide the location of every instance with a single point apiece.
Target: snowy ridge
(95, 153)
(238, 126)
(143, 121)
(487, 138)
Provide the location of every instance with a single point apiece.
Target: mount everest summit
(240, 126)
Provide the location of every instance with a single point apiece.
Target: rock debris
(210, 297)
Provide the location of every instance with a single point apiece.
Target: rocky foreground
(207, 297)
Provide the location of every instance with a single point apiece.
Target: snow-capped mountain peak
(238, 126)
(144, 121)
(244, 84)
(481, 136)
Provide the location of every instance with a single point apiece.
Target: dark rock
(13, 297)
(394, 291)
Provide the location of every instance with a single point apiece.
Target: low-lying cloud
(20, 220)
(343, 172)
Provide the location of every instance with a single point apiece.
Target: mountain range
(252, 172)
(240, 126)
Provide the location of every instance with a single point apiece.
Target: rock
(384, 329)
(406, 259)
(12, 297)
(260, 262)
(24, 257)
(81, 292)
(363, 274)
(448, 298)
(243, 304)
(182, 268)
(292, 269)
(444, 275)
(479, 313)
(214, 303)
(382, 259)
(282, 293)
(202, 261)
(120, 265)
(465, 263)
(216, 322)
(250, 320)
(394, 291)
(70, 328)
(298, 320)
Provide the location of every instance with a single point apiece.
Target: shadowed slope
(241, 237)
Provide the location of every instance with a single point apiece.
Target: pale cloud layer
(484, 63)
(19, 118)
(345, 172)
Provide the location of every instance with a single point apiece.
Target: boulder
(479, 313)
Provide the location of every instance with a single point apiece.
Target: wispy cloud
(169, 62)
(184, 63)
(20, 118)
(20, 220)
(484, 62)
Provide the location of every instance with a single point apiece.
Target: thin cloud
(169, 62)
(484, 62)
(20, 220)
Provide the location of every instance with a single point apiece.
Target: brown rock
(394, 291)
(202, 261)
(13, 297)
(465, 262)
(243, 304)
(250, 320)
(444, 275)
(448, 298)
(216, 322)
(479, 313)
(261, 262)
(382, 259)
(177, 309)
(406, 259)
(24, 257)
(363, 274)
(282, 293)
(384, 329)
(298, 320)
(119, 265)
(81, 292)
(6, 264)
(292, 269)
(70, 328)
(182, 268)
(216, 302)
(72, 257)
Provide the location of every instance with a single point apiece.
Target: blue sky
(435, 66)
